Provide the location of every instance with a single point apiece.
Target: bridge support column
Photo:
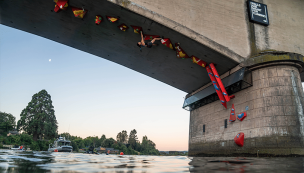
(275, 117)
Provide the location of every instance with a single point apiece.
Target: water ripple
(15, 161)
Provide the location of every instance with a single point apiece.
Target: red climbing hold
(112, 19)
(79, 12)
(239, 139)
(232, 114)
(241, 116)
(219, 81)
(180, 53)
(60, 5)
(217, 89)
(137, 29)
(198, 61)
(98, 19)
(167, 42)
(123, 27)
(150, 37)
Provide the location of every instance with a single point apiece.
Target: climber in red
(147, 43)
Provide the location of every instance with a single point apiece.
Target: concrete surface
(274, 124)
(107, 41)
(224, 23)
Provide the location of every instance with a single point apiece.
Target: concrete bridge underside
(107, 41)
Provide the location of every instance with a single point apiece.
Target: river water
(16, 161)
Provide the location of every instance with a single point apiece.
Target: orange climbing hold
(167, 42)
(239, 139)
(232, 114)
(150, 37)
(112, 19)
(60, 5)
(123, 27)
(137, 29)
(198, 61)
(79, 12)
(98, 19)
(180, 53)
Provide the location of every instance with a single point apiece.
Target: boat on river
(61, 145)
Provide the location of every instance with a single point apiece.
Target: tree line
(39, 128)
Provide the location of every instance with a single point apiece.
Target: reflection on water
(16, 161)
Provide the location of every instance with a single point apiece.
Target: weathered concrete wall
(274, 122)
(286, 29)
(223, 24)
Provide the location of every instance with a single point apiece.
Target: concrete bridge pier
(275, 118)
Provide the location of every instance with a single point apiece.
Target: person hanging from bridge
(147, 43)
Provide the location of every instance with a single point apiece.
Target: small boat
(61, 145)
(16, 147)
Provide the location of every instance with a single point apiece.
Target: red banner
(217, 89)
(198, 61)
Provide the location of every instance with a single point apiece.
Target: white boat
(16, 147)
(61, 145)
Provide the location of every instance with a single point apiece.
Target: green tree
(133, 138)
(8, 122)
(38, 118)
(122, 137)
(108, 142)
(74, 145)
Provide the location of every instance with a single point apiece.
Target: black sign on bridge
(258, 13)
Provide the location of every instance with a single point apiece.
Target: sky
(91, 96)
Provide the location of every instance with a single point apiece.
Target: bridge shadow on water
(14, 161)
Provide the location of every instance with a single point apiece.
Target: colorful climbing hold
(232, 114)
(60, 5)
(167, 42)
(180, 53)
(218, 91)
(241, 116)
(239, 139)
(137, 29)
(219, 81)
(150, 37)
(112, 19)
(198, 61)
(79, 12)
(98, 19)
(123, 27)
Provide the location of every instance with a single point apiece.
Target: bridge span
(268, 56)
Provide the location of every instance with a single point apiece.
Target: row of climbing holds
(180, 53)
(241, 116)
(239, 138)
